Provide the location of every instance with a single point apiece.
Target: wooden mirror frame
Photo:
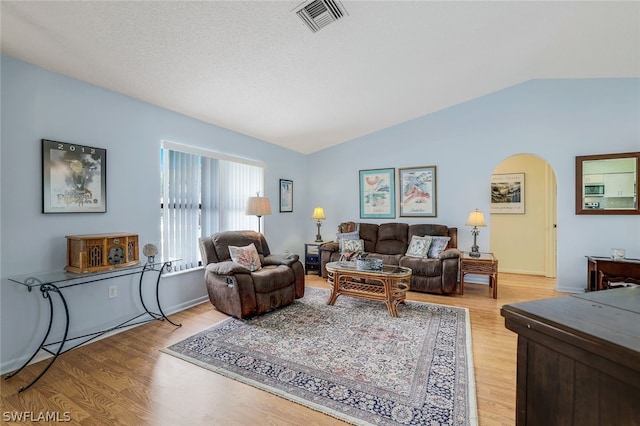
(580, 186)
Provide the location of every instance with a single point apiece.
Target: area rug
(352, 360)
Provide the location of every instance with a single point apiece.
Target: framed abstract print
(74, 178)
(286, 196)
(417, 187)
(377, 193)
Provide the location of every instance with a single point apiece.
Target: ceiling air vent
(320, 13)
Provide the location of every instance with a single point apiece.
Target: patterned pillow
(246, 256)
(437, 245)
(348, 235)
(349, 246)
(419, 246)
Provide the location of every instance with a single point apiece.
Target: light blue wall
(553, 119)
(40, 104)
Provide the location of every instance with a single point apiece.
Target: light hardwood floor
(125, 380)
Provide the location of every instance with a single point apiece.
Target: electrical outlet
(113, 291)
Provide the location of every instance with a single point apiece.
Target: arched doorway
(524, 240)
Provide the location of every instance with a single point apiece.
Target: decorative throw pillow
(350, 246)
(437, 245)
(419, 246)
(347, 236)
(246, 256)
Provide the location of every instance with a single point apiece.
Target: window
(202, 192)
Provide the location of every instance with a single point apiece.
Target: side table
(312, 257)
(486, 264)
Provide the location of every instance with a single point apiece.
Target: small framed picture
(74, 178)
(377, 193)
(418, 191)
(507, 193)
(286, 196)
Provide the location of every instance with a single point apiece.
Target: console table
(603, 270)
(578, 358)
(52, 283)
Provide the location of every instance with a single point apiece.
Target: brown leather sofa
(389, 242)
(236, 290)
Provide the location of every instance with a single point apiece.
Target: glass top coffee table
(388, 285)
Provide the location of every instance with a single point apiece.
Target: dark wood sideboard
(578, 359)
(603, 270)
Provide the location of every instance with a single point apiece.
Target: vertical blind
(200, 195)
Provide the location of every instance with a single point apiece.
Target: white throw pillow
(245, 256)
(419, 246)
(349, 246)
(437, 245)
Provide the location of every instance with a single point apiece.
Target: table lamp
(318, 213)
(476, 219)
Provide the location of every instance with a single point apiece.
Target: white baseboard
(15, 363)
(567, 289)
(521, 272)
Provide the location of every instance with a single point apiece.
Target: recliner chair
(235, 289)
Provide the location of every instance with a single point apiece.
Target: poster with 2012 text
(73, 178)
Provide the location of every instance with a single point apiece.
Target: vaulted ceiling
(255, 67)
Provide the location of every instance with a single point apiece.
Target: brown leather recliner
(236, 290)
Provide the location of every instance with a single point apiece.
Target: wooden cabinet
(619, 185)
(602, 271)
(593, 179)
(578, 359)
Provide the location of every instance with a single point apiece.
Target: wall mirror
(607, 183)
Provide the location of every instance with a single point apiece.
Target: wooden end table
(486, 264)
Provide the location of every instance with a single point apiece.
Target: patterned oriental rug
(352, 360)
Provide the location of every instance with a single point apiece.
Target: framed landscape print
(286, 196)
(507, 193)
(74, 178)
(417, 191)
(377, 193)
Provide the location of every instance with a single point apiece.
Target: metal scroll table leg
(168, 266)
(144, 269)
(162, 316)
(46, 290)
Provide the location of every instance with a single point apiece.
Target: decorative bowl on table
(369, 264)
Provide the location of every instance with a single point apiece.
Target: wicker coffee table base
(388, 288)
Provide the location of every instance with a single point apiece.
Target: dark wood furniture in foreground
(578, 359)
(486, 264)
(602, 271)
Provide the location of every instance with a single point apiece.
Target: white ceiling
(254, 67)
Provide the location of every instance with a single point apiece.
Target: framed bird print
(417, 191)
(377, 193)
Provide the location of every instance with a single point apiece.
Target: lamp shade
(476, 218)
(258, 206)
(318, 213)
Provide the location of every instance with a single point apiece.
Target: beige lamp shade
(476, 218)
(258, 206)
(318, 213)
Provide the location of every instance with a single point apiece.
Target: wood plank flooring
(125, 380)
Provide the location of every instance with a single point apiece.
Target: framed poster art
(507, 193)
(377, 193)
(417, 186)
(74, 178)
(286, 196)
